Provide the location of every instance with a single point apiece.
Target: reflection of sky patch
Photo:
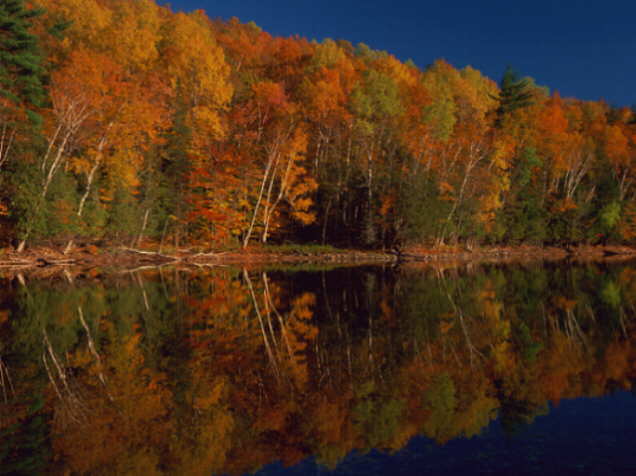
(580, 436)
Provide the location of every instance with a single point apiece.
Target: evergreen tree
(176, 168)
(514, 94)
(21, 92)
(21, 71)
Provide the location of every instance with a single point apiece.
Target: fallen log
(39, 262)
(150, 253)
(204, 256)
(16, 262)
(42, 262)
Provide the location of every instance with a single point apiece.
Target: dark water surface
(492, 369)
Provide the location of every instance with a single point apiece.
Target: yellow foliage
(89, 19)
(504, 150)
(504, 357)
(328, 53)
(134, 33)
(196, 62)
(205, 402)
(297, 183)
(300, 333)
(403, 74)
(206, 121)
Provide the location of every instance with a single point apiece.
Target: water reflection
(225, 371)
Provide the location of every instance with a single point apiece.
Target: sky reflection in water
(581, 436)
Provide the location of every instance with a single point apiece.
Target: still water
(492, 369)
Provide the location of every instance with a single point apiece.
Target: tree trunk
(258, 202)
(324, 223)
(143, 227)
(281, 194)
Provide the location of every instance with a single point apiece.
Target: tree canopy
(171, 128)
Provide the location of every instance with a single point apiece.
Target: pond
(453, 369)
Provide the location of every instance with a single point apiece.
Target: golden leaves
(616, 146)
(212, 397)
(195, 62)
(300, 332)
(206, 121)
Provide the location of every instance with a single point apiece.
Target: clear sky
(584, 48)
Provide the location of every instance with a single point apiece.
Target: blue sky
(585, 49)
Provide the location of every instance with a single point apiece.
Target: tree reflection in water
(225, 371)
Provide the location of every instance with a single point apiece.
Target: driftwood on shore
(16, 264)
(185, 258)
(151, 255)
(120, 257)
(37, 262)
(126, 258)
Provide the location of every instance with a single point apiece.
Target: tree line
(123, 122)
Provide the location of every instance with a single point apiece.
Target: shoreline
(91, 257)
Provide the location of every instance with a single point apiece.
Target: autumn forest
(126, 125)
(122, 122)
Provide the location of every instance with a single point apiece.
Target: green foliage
(441, 114)
(610, 215)
(21, 72)
(514, 94)
(28, 209)
(328, 54)
(25, 448)
(523, 218)
(420, 210)
(61, 207)
(366, 53)
(441, 401)
(525, 166)
(376, 100)
(124, 218)
(376, 416)
(566, 227)
(529, 348)
(611, 294)
(168, 180)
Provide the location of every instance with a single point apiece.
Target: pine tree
(21, 71)
(514, 94)
(22, 92)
